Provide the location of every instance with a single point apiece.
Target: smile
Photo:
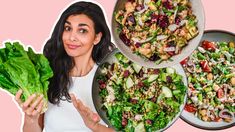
(71, 46)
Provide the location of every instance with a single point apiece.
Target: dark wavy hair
(60, 62)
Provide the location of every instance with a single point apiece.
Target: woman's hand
(90, 118)
(32, 107)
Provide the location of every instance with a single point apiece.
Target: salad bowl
(129, 97)
(211, 82)
(157, 34)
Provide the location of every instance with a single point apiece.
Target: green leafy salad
(26, 70)
(139, 99)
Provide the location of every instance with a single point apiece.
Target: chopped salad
(211, 81)
(139, 99)
(156, 29)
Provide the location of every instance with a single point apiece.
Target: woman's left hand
(90, 118)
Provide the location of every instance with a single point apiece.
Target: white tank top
(64, 117)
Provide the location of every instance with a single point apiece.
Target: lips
(73, 46)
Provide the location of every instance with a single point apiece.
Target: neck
(83, 65)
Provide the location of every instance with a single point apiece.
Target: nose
(73, 36)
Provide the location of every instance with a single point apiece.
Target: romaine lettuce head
(26, 70)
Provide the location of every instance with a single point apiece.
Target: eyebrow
(79, 25)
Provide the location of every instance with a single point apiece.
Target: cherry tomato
(171, 53)
(217, 119)
(207, 45)
(220, 93)
(205, 66)
(190, 108)
(184, 62)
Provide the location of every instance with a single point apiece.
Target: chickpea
(203, 112)
(153, 27)
(232, 92)
(147, 45)
(231, 44)
(146, 52)
(130, 7)
(132, 48)
(216, 87)
(161, 50)
(171, 19)
(210, 76)
(164, 57)
(205, 118)
(227, 119)
(233, 81)
(183, 14)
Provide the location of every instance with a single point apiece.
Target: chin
(74, 53)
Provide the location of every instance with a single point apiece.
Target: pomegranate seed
(103, 86)
(126, 73)
(148, 121)
(156, 71)
(124, 39)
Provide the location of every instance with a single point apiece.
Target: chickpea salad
(139, 99)
(156, 29)
(211, 81)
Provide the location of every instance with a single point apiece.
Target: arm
(30, 125)
(102, 128)
(32, 107)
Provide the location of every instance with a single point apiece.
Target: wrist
(30, 121)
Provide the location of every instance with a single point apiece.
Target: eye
(82, 30)
(67, 28)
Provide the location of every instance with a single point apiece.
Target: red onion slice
(226, 114)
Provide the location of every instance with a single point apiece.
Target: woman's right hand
(32, 107)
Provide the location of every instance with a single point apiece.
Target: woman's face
(79, 35)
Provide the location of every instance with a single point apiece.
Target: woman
(80, 39)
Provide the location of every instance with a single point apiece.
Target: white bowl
(198, 10)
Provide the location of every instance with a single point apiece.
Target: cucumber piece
(152, 78)
(146, 83)
(125, 60)
(177, 91)
(167, 92)
(160, 97)
(129, 82)
(104, 71)
(170, 70)
(140, 127)
(163, 76)
(136, 67)
(119, 56)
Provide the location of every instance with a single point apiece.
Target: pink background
(31, 23)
